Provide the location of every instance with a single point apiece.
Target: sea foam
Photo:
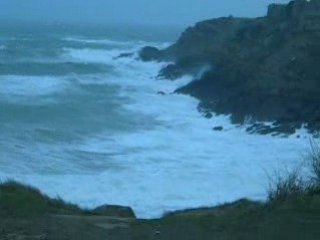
(170, 158)
(15, 86)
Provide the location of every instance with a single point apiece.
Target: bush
(287, 187)
(314, 158)
(293, 185)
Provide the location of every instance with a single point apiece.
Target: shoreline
(259, 68)
(263, 72)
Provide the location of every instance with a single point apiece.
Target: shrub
(314, 158)
(287, 187)
(293, 185)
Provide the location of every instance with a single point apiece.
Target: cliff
(264, 69)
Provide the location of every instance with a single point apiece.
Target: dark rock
(287, 129)
(114, 211)
(260, 128)
(124, 55)
(283, 129)
(208, 115)
(218, 128)
(161, 93)
(150, 54)
(205, 112)
(277, 12)
(171, 72)
(266, 67)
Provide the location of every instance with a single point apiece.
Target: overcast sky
(164, 12)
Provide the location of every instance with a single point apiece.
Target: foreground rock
(263, 69)
(113, 210)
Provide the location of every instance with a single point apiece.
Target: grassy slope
(17, 200)
(292, 219)
(26, 213)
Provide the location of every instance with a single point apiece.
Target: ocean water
(80, 123)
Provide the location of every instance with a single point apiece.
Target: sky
(148, 12)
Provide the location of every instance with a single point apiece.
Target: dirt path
(66, 227)
(107, 223)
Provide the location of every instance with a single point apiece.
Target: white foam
(97, 41)
(175, 167)
(130, 71)
(24, 86)
(92, 56)
(117, 43)
(172, 159)
(182, 163)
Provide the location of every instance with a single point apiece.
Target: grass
(293, 185)
(20, 200)
(314, 158)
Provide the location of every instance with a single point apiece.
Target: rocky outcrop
(115, 211)
(150, 54)
(263, 69)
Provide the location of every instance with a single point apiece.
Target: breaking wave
(96, 129)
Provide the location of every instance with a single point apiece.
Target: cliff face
(266, 68)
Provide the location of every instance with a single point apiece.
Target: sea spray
(109, 137)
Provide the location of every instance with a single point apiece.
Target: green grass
(293, 185)
(294, 219)
(287, 187)
(20, 200)
(314, 159)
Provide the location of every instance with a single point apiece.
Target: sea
(81, 123)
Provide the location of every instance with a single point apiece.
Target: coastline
(263, 69)
(256, 82)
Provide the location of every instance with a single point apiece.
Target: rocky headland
(264, 69)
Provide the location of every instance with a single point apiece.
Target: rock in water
(124, 55)
(218, 128)
(150, 54)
